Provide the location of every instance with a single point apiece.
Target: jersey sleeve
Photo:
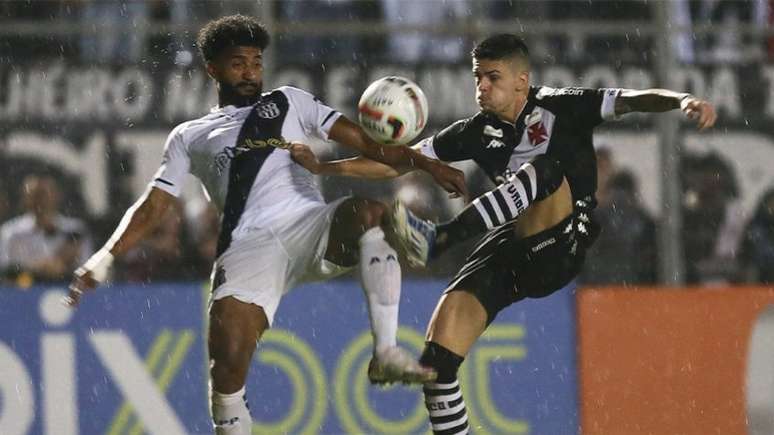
(449, 144)
(315, 117)
(175, 165)
(589, 107)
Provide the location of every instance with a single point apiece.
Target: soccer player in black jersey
(536, 144)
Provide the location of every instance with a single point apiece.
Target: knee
(368, 213)
(230, 360)
(548, 175)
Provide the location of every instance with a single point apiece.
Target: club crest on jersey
(536, 131)
(268, 110)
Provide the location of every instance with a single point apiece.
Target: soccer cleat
(415, 235)
(395, 364)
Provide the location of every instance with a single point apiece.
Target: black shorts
(503, 268)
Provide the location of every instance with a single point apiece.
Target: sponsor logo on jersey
(229, 153)
(546, 91)
(268, 110)
(495, 144)
(494, 132)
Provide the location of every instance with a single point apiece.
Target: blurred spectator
(163, 256)
(757, 252)
(205, 227)
(627, 48)
(712, 220)
(626, 229)
(729, 44)
(41, 245)
(317, 49)
(5, 203)
(413, 47)
(605, 170)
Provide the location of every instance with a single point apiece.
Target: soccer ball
(393, 110)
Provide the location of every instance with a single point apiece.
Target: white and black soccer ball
(393, 110)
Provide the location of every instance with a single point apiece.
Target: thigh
(459, 319)
(234, 330)
(352, 218)
(235, 323)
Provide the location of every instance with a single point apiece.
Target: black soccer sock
(443, 398)
(533, 181)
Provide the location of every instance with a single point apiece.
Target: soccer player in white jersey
(277, 231)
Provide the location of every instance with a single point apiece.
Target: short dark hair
(230, 31)
(501, 46)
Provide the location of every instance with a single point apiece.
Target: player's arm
(663, 100)
(357, 167)
(138, 221)
(401, 158)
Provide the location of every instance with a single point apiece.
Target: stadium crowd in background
(727, 246)
(728, 46)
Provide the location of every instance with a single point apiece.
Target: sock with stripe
(230, 414)
(533, 181)
(380, 278)
(443, 398)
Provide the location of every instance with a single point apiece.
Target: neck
(514, 111)
(240, 101)
(229, 97)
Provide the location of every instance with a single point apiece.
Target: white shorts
(265, 263)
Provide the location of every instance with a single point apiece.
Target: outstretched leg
(357, 237)
(466, 309)
(532, 182)
(235, 328)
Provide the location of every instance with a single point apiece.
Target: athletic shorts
(503, 268)
(263, 264)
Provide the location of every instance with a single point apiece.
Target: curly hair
(233, 30)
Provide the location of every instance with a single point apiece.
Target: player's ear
(212, 70)
(522, 80)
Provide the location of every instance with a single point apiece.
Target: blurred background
(89, 90)
(670, 334)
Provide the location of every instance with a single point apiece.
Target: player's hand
(702, 111)
(82, 282)
(304, 156)
(87, 277)
(451, 179)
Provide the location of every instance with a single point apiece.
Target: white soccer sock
(230, 414)
(380, 278)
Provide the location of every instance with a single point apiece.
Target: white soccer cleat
(415, 235)
(395, 364)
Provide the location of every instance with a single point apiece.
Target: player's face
(239, 73)
(500, 85)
